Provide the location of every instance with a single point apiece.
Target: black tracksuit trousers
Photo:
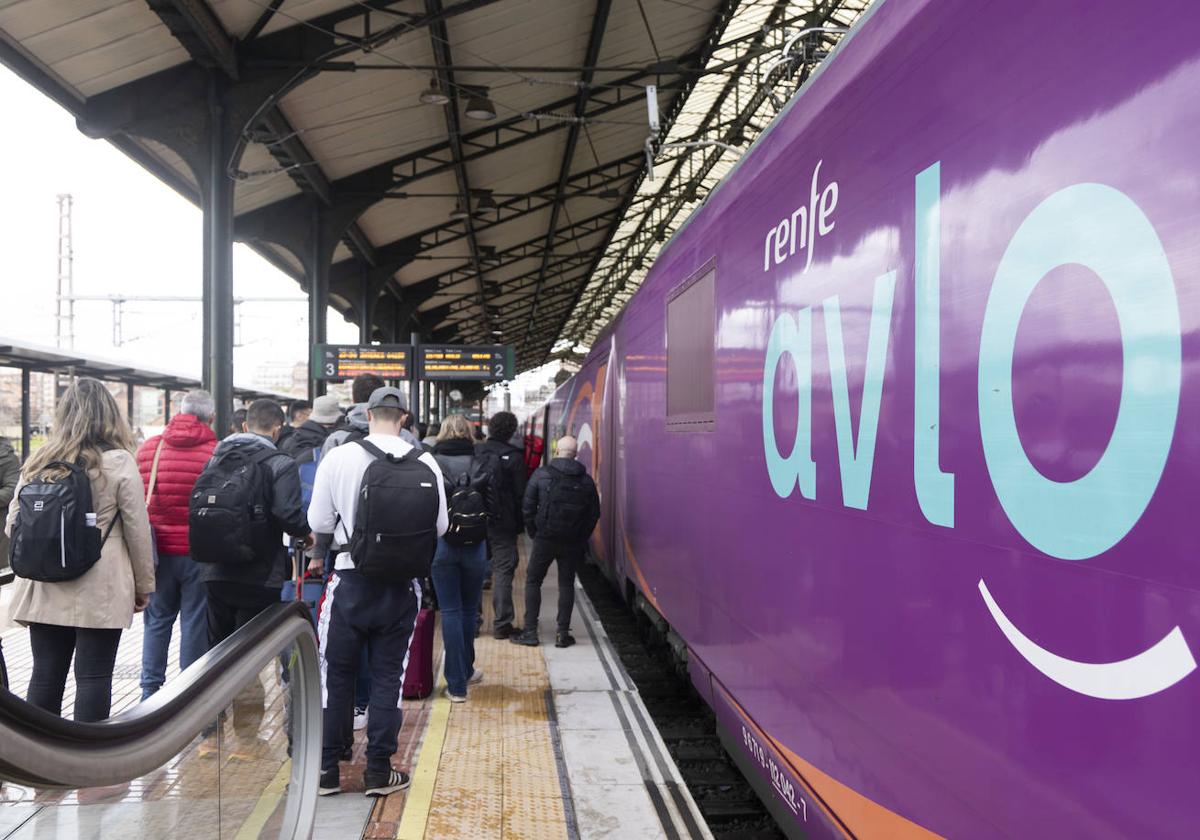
(379, 615)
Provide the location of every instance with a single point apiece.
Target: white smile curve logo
(1159, 667)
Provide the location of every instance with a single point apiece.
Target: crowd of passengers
(210, 532)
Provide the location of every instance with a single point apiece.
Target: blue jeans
(178, 592)
(458, 572)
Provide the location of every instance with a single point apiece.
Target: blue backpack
(308, 461)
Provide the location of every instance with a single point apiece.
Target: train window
(691, 352)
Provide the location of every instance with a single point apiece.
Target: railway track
(729, 805)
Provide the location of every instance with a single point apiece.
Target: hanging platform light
(479, 107)
(434, 95)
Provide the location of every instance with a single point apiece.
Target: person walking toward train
(306, 442)
(10, 473)
(82, 553)
(169, 464)
(245, 500)
(508, 523)
(461, 560)
(561, 510)
(385, 505)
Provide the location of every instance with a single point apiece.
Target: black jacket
(510, 485)
(308, 436)
(286, 516)
(539, 487)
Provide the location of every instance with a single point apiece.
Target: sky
(133, 235)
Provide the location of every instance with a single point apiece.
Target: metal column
(414, 384)
(318, 301)
(425, 401)
(129, 404)
(166, 406)
(218, 263)
(366, 323)
(24, 413)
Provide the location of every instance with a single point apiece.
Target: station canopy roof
(476, 169)
(33, 357)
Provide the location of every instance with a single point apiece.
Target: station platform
(554, 743)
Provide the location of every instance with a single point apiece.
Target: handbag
(149, 496)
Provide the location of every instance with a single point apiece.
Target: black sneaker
(563, 639)
(506, 632)
(331, 783)
(347, 753)
(381, 784)
(525, 637)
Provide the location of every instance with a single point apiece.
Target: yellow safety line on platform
(419, 800)
(266, 805)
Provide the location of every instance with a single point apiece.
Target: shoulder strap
(373, 450)
(154, 472)
(265, 454)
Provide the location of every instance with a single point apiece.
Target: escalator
(229, 749)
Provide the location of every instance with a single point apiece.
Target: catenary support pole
(414, 383)
(25, 421)
(318, 300)
(218, 263)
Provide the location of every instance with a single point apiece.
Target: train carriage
(899, 433)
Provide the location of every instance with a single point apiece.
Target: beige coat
(103, 597)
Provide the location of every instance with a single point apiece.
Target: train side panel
(935, 550)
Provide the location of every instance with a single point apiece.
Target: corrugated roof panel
(94, 45)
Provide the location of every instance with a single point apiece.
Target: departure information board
(346, 361)
(449, 362)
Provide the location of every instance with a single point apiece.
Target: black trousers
(357, 613)
(95, 653)
(231, 606)
(503, 546)
(568, 556)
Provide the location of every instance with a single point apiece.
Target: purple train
(920, 501)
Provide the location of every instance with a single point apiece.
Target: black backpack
(51, 538)
(467, 502)
(564, 515)
(229, 512)
(395, 524)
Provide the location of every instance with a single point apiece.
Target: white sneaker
(360, 719)
(454, 698)
(476, 677)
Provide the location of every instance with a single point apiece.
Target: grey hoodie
(356, 420)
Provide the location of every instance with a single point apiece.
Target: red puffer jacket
(188, 444)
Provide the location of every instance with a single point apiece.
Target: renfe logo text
(802, 229)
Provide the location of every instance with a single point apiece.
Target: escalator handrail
(46, 751)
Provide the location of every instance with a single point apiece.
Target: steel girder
(712, 43)
(690, 168)
(591, 56)
(440, 41)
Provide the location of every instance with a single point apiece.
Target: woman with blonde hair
(83, 617)
(460, 563)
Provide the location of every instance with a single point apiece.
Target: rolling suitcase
(418, 676)
(304, 586)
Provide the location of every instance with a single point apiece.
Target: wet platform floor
(554, 743)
